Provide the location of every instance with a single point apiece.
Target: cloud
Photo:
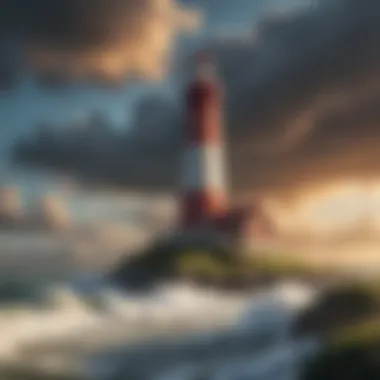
(71, 39)
(303, 101)
(50, 214)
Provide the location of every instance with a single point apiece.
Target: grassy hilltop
(218, 267)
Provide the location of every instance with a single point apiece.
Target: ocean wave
(88, 316)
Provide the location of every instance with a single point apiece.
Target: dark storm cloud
(97, 153)
(303, 100)
(92, 38)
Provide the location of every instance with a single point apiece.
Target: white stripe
(203, 168)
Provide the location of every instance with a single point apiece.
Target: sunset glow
(332, 207)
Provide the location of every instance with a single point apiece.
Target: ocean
(58, 316)
(83, 327)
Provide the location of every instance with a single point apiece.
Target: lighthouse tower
(203, 193)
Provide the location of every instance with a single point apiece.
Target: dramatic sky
(302, 84)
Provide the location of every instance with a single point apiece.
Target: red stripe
(199, 206)
(204, 114)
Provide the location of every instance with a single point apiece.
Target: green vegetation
(342, 306)
(208, 263)
(364, 332)
(282, 263)
(203, 263)
(354, 356)
(351, 316)
(216, 266)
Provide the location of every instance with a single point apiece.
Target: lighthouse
(204, 207)
(203, 190)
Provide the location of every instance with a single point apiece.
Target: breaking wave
(90, 315)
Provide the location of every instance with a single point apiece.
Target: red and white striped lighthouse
(203, 184)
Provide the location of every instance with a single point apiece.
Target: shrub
(342, 306)
(194, 263)
(354, 356)
(352, 342)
